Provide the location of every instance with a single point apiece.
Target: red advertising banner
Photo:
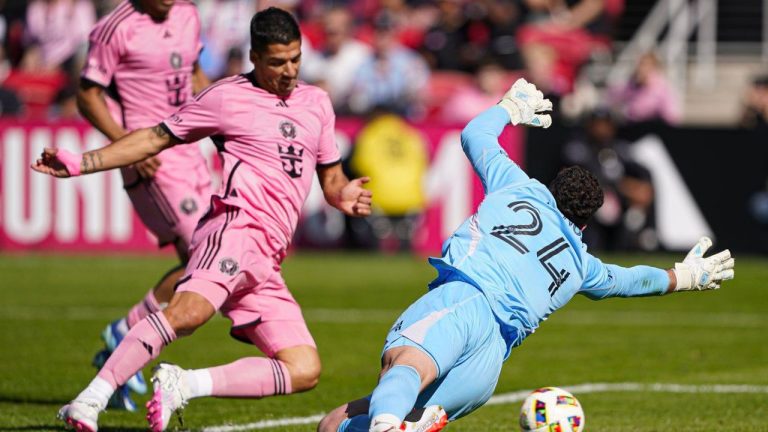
(93, 213)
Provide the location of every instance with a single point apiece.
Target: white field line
(387, 316)
(518, 396)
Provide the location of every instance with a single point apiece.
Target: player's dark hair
(273, 25)
(578, 194)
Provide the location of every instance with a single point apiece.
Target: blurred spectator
(36, 90)
(489, 84)
(394, 155)
(224, 25)
(391, 77)
(503, 20)
(10, 105)
(56, 35)
(559, 38)
(626, 219)
(648, 95)
(334, 67)
(412, 20)
(446, 45)
(755, 113)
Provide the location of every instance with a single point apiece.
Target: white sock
(98, 391)
(199, 382)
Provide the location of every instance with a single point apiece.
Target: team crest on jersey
(175, 60)
(292, 159)
(228, 266)
(188, 206)
(288, 129)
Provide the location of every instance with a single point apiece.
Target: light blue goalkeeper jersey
(519, 249)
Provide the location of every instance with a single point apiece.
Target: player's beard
(285, 87)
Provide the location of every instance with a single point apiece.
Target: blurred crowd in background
(413, 61)
(426, 60)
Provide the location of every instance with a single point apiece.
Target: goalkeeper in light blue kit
(506, 268)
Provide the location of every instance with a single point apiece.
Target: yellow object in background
(394, 155)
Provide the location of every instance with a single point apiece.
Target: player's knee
(304, 374)
(332, 420)
(185, 321)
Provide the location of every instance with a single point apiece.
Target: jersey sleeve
(609, 280)
(480, 142)
(103, 58)
(327, 150)
(198, 119)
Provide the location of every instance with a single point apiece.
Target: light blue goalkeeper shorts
(455, 326)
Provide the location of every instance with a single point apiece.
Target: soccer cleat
(433, 419)
(170, 395)
(80, 416)
(111, 335)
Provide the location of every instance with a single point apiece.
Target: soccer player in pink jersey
(273, 134)
(144, 55)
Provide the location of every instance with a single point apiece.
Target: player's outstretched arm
(697, 273)
(694, 273)
(132, 148)
(348, 196)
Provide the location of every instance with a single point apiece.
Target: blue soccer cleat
(111, 335)
(121, 399)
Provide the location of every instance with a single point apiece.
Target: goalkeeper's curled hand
(523, 102)
(699, 273)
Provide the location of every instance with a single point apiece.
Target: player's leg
(270, 319)
(143, 343)
(160, 205)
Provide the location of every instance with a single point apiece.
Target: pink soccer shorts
(233, 267)
(170, 204)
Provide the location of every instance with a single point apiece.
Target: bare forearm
(332, 190)
(94, 108)
(132, 148)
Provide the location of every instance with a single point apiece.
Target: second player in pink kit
(143, 55)
(274, 135)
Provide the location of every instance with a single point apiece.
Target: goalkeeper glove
(699, 273)
(523, 101)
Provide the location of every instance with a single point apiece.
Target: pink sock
(148, 305)
(251, 377)
(140, 345)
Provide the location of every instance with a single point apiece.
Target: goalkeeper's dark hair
(578, 194)
(273, 26)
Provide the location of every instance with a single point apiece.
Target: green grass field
(714, 345)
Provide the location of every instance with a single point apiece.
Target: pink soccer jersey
(270, 147)
(146, 65)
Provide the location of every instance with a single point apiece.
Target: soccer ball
(551, 409)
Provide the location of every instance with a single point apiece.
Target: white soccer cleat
(80, 415)
(433, 419)
(170, 396)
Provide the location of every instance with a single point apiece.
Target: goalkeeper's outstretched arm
(695, 273)
(132, 148)
(480, 138)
